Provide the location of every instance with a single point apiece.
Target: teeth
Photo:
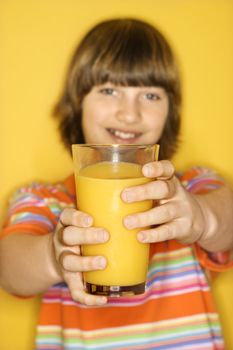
(123, 135)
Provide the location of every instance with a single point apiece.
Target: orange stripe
(157, 310)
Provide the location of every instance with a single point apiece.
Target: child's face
(117, 114)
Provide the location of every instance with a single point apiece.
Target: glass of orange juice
(101, 174)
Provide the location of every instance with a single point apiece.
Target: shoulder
(41, 197)
(200, 179)
(38, 192)
(37, 206)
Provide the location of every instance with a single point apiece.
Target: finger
(72, 235)
(160, 234)
(76, 287)
(168, 231)
(73, 217)
(76, 263)
(155, 216)
(163, 169)
(154, 190)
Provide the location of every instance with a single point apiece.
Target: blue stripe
(169, 277)
(174, 267)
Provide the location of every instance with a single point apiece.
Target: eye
(108, 91)
(152, 96)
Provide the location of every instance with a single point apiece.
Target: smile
(124, 135)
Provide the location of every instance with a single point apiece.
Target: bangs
(128, 55)
(137, 71)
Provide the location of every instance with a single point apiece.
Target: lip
(122, 140)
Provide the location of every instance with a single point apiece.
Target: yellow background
(36, 40)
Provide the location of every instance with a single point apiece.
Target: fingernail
(100, 262)
(127, 195)
(147, 170)
(142, 237)
(87, 220)
(102, 236)
(130, 222)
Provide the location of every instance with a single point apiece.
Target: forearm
(217, 209)
(27, 264)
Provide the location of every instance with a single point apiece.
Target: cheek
(158, 119)
(156, 125)
(87, 122)
(93, 111)
(91, 122)
(163, 114)
(88, 118)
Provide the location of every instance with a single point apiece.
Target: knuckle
(82, 219)
(166, 169)
(159, 168)
(165, 188)
(148, 190)
(77, 295)
(100, 235)
(139, 192)
(90, 235)
(71, 236)
(173, 186)
(145, 219)
(88, 300)
(139, 220)
(82, 297)
(168, 232)
(56, 237)
(66, 214)
(83, 264)
(169, 212)
(162, 189)
(76, 217)
(67, 261)
(64, 234)
(170, 168)
(63, 215)
(60, 259)
(88, 263)
(150, 217)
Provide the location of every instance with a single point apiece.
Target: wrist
(210, 228)
(53, 267)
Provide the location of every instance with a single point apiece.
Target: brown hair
(127, 52)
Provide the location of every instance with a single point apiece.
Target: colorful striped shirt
(175, 312)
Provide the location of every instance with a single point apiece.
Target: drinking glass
(101, 174)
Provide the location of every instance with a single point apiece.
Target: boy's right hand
(73, 230)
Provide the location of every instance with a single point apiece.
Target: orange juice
(98, 189)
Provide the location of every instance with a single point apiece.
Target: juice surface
(98, 193)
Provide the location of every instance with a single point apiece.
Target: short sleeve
(201, 180)
(35, 209)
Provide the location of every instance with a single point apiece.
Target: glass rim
(115, 145)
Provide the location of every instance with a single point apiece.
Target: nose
(128, 110)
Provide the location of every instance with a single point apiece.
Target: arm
(178, 214)
(30, 264)
(27, 264)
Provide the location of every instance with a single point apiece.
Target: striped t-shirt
(175, 312)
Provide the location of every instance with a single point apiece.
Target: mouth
(124, 136)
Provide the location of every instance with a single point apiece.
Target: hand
(73, 230)
(176, 213)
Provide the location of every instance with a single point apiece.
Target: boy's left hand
(176, 213)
